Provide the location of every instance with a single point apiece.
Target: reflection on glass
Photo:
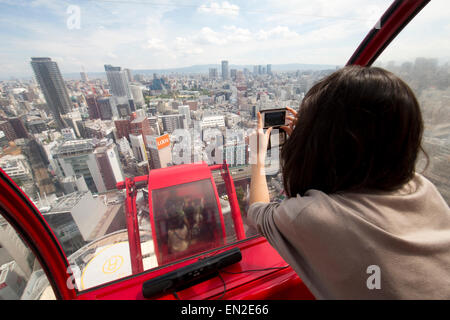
(420, 56)
(21, 276)
(187, 220)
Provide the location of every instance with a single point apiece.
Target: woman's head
(358, 128)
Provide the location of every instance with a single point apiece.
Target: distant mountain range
(204, 68)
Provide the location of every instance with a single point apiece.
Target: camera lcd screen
(274, 118)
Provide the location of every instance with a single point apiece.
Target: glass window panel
(93, 92)
(420, 55)
(21, 275)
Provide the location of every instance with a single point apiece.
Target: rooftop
(67, 202)
(73, 146)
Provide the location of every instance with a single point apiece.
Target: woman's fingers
(260, 124)
(268, 133)
(292, 111)
(287, 129)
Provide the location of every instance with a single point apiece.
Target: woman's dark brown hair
(359, 128)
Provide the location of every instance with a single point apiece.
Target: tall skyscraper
(138, 97)
(52, 85)
(118, 81)
(187, 114)
(225, 72)
(269, 69)
(212, 73)
(129, 75)
(84, 76)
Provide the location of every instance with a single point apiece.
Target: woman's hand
(292, 121)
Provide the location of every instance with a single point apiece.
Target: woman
(359, 222)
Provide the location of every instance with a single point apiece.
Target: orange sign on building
(162, 141)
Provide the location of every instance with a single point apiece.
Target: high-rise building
(186, 111)
(138, 147)
(141, 125)
(93, 109)
(160, 151)
(123, 128)
(153, 121)
(68, 134)
(84, 76)
(233, 73)
(107, 108)
(53, 87)
(193, 105)
(172, 122)
(17, 168)
(269, 69)
(138, 97)
(129, 75)
(108, 162)
(118, 81)
(213, 122)
(76, 158)
(213, 73)
(81, 158)
(225, 71)
(124, 147)
(8, 130)
(18, 127)
(123, 109)
(74, 121)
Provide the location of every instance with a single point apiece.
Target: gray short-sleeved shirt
(383, 245)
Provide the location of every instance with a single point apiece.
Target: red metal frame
(134, 240)
(257, 252)
(234, 204)
(391, 23)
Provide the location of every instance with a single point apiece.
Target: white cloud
(224, 9)
(278, 32)
(112, 55)
(156, 44)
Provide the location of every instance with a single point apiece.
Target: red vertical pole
(134, 240)
(234, 204)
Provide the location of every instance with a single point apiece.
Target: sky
(158, 34)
